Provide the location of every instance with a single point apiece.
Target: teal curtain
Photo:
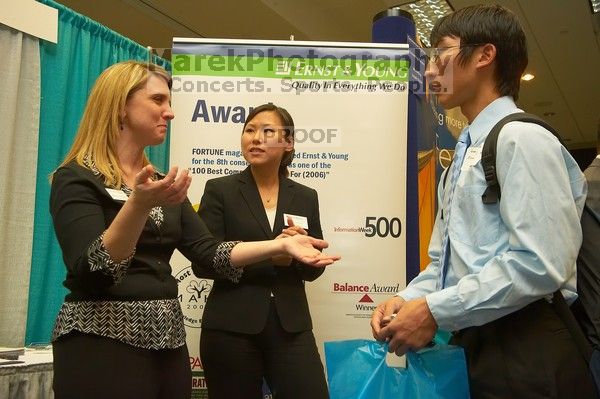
(68, 71)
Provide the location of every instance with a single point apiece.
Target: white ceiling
(564, 50)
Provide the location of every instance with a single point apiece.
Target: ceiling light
(425, 14)
(595, 4)
(527, 77)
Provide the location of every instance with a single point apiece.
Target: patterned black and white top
(134, 300)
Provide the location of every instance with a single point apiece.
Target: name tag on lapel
(117, 195)
(300, 221)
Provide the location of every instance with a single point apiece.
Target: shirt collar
(489, 116)
(88, 162)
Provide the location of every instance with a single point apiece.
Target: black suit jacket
(82, 210)
(588, 261)
(592, 175)
(232, 210)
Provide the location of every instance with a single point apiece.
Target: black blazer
(232, 210)
(588, 260)
(82, 209)
(592, 175)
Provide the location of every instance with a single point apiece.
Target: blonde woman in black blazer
(260, 326)
(120, 332)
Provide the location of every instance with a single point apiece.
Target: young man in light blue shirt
(494, 266)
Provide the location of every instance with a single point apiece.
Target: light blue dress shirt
(506, 255)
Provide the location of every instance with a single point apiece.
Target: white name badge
(117, 195)
(300, 221)
(472, 157)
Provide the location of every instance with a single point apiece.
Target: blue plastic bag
(356, 369)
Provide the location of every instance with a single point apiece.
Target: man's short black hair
(598, 139)
(489, 24)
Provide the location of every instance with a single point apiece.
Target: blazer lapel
(284, 202)
(252, 197)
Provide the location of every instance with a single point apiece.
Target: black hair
(288, 127)
(493, 24)
(598, 139)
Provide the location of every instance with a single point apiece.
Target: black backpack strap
(564, 312)
(492, 195)
(488, 153)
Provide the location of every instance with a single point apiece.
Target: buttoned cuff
(447, 309)
(99, 260)
(222, 262)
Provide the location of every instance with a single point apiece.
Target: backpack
(582, 319)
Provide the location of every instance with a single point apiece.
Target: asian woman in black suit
(260, 326)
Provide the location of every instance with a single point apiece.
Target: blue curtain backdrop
(68, 71)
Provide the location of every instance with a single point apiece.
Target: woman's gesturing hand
(289, 231)
(171, 190)
(306, 249)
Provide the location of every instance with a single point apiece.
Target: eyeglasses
(434, 54)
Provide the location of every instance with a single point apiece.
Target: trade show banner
(349, 104)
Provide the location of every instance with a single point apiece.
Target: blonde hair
(99, 129)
